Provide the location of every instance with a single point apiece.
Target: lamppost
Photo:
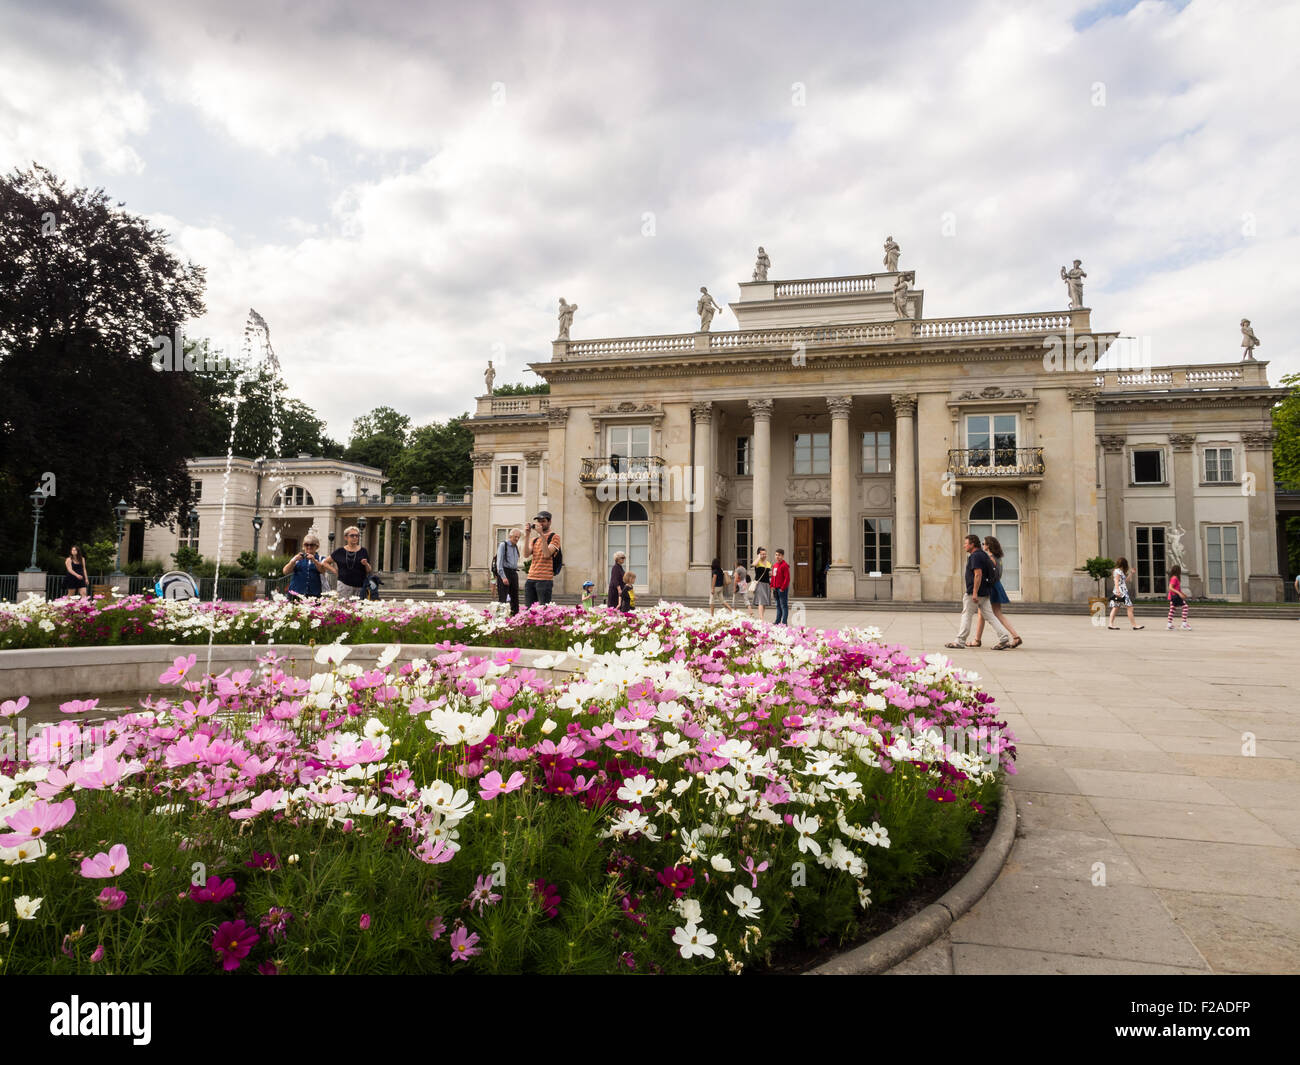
(194, 521)
(437, 532)
(464, 558)
(401, 542)
(38, 501)
(257, 532)
(120, 510)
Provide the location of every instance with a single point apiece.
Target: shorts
(348, 591)
(1176, 601)
(717, 596)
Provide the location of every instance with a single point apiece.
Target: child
(627, 598)
(588, 598)
(1177, 597)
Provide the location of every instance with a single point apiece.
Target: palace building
(839, 423)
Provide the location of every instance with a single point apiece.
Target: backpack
(493, 569)
(557, 563)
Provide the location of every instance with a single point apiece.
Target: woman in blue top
(306, 567)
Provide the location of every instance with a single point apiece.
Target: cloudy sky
(404, 190)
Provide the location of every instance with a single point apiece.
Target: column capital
(761, 409)
(480, 459)
(1261, 440)
(533, 458)
(904, 404)
(702, 413)
(557, 416)
(1112, 443)
(1083, 398)
(839, 406)
(1182, 441)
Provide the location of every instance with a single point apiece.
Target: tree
(378, 438)
(85, 287)
(541, 388)
(1286, 422)
(436, 454)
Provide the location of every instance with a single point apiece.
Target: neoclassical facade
(839, 423)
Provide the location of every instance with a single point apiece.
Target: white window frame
(1209, 565)
(1145, 583)
(1132, 465)
(189, 536)
(879, 466)
(992, 416)
(871, 557)
(812, 470)
(632, 430)
(744, 456)
(1218, 478)
(747, 538)
(517, 477)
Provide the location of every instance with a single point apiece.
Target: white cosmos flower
(845, 859)
(442, 798)
(877, 836)
(689, 909)
(693, 940)
(388, 655)
(746, 902)
(27, 851)
(722, 864)
(807, 827)
(375, 728)
(27, 907)
(331, 654)
(636, 789)
(4, 928)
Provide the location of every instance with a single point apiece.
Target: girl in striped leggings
(1177, 598)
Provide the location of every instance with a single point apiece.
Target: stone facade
(867, 445)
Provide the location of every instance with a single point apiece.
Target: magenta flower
(214, 890)
(111, 898)
(98, 954)
(276, 923)
(267, 968)
(266, 861)
(941, 795)
(102, 866)
(462, 944)
(679, 879)
(482, 895)
(492, 785)
(435, 928)
(232, 942)
(549, 897)
(365, 922)
(39, 819)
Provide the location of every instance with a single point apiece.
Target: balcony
(620, 469)
(997, 465)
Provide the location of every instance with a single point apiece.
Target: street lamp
(257, 532)
(437, 532)
(120, 510)
(401, 542)
(464, 559)
(38, 501)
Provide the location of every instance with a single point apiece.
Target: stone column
(532, 482)
(907, 571)
(761, 409)
(1112, 446)
(840, 580)
(1083, 416)
(1264, 583)
(464, 548)
(416, 564)
(444, 544)
(482, 519)
(389, 553)
(701, 487)
(557, 489)
(1185, 480)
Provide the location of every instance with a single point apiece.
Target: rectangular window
(190, 535)
(1149, 466)
(876, 456)
(1222, 560)
(877, 545)
(743, 538)
(1150, 558)
(812, 453)
(1218, 464)
(991, 439)
(508, 480)
(742, 456)
(196, 491)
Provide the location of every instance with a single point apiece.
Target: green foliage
(542, 388)
(435, 454)
(187, 558)
(378, 438)
(84, 288)
(264, 406)
(100, 556)
(1099, 568)
(1286, 422)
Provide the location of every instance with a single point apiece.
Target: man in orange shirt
(543, 546)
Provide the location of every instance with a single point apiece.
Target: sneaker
(1170, 625)
(1185, 626)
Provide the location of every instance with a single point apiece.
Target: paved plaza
(1131, 765)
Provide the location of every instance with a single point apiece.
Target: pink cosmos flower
(78, 706)
(365, 922)
(102, 866)
(435, 928)
(98, 954)
(268, 800)
(462, 943)
(548, 895)
(111, 898)
(10, 706)
(492, 785)
(941, 795)
(39, 819)
(482, 895)
(232, 942)
(267, 968)
(214, 890)
(179, 668)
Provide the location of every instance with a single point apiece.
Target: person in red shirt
(781, 587)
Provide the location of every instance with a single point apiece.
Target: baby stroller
(370, 590)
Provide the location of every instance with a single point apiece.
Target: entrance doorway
(995, 516)
(812, 556)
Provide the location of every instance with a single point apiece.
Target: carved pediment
(994, 392)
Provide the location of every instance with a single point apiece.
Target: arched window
(997, 517)
(292, 495)
(628, 530)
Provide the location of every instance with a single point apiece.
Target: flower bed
(705, 791)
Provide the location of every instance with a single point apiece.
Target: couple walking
(771, 582)
(984, 595)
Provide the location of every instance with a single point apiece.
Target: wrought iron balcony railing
(1005, 463)
(601, 468)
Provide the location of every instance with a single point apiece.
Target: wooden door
(803, 557)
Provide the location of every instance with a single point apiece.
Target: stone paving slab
(1131, 748)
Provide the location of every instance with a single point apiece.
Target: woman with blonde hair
(351, 564)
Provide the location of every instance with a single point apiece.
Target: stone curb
(901, 942)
